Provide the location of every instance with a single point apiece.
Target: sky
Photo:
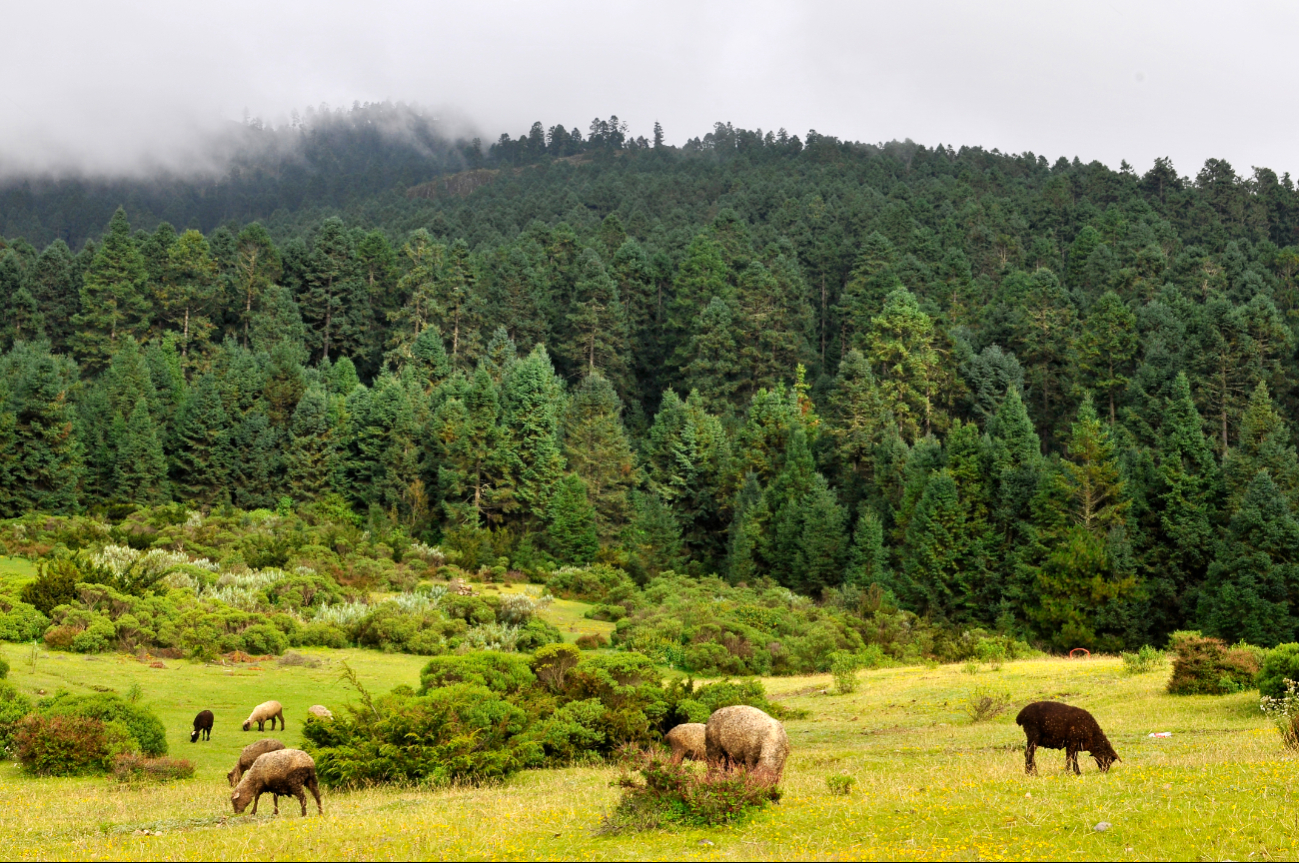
(124, 88)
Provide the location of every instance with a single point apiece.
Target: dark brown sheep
(250, 754)
(202, 725)
(282, 772)
(1055, 725)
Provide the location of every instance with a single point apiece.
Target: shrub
(462, 732)
(1283, 710)
(984, 704)
(139, 723)
(502, 673)
(261, 639)
(69, 745)
(20, 621)
(844, 666)
(841, 784)
(592, 641)
(13, 707)
(552, 664)
(1145, 660)
(678, 795)
(596, 583)
(132, 767)
(1280, 664)
(535, 634)
(1206, 666)
(4, 668)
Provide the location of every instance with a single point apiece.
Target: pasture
(930, 784)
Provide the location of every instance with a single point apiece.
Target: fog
(110, 89)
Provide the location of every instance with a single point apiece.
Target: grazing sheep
(320, 711)
(687, 741)
(266, 710)
(202, 725)
(745, 736)
(1054, 725)
(251, 753)
(282, 772)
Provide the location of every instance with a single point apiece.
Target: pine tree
(114, 297)
(1249, 590)
(572, 532)
(1107, 348)
(257, 269)
(870, 284)
(823, 539)
(702, 275)
(184, 295)
(312, 446)
(597, 322)
(44, 454)
(868, 559)
(714, 368)
(598, 450)
(477, 469)
(901, 347)
(774, 322)
(653, 539)
(141, 465)
(1189, 487)
(200, 463)
(1264, 444)
(1047, 339)
(429, 358)
(530, 405)
(55, 287)
(279, 324)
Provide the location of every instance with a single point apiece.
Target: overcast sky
(109, 86)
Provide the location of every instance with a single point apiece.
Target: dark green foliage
(502, 673)
(65, 745)
(1280, 664)
(675, 795)
(13, 707)
(143, 727)
(572, 531)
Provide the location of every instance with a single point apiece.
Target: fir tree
(596, 321)
(530, 399)
(1189, 487)
(653, 539)
(44, 455)
(598, 450)
(1250, 590)
(714, 368)
(823, 539)
(572, 531)
(1107, 348)
(868, 560)
(200, 463)
(312, 443)
(114, 299)
(901, 347)
(141, 466)
(1264, 444)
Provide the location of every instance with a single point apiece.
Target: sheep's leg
(302, 801)
(314, 787)
(1071, 760)
(276, 797)
(1030, 749)
(256, 800)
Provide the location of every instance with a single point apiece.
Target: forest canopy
(1051, 399)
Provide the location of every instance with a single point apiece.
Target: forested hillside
(1049, 398)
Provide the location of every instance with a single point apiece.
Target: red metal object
(1087, 654)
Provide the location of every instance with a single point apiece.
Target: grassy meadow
(929, 782)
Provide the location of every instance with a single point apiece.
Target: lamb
(687, 741)
(282, 772)
(745, 736)
(266, 710)
(320, 711)
(202, 725)
(251, 753)
(1055, 725)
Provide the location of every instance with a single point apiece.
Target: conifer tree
(714, 368)
(55, 287)
(279, 323)
(114, 297)
(702, 275)
(477, 462)
(774, 322)
(44, 454)
(141, 465)
(184, 294)
(901, 347)
(1107, 348)
(653, 539)
(257, 269)
(597, 322)
(200, 462)
(310, 458)
(857, 422)
(868, 560)
(823, 539)
(1251, 585)
(1189, 487)
(1264, 443)
(598, 450)
(530, 406)
(572, 532)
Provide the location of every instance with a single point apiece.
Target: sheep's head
(248, 723)
(193, 736)
(240, 799)
(1105, 755)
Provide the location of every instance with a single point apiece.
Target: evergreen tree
(476, 474)
(1107, 348)
(186, 291)
(901, 347)
(312, 444)
(257, 270)
(823, 539)
(1264, 444)
(200, 462)
(857, 422)
(572, 531)
(530, 409)
(141, 465)
(598, 450)
(653, 539)
(279, 324)
(774, 323)
(868, 560)
(1253, 584)
(114, 296)
(596, 321)
(714, 369)
(43, 453)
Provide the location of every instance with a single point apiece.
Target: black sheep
(202, 725)
(1054, 725)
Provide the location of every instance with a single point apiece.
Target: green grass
(929, 784)
(566, 615)
(14, 573)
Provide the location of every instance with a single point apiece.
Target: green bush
(262, 639)
(141, 725)
(13, 707)
(1281, 663)
(595, 583)
(1145, 660)
(502, 673)
(69, 745)
(677, 795)
(1206, 666)
(132, 767)
(20, 621)
(4, 668)
(844, 667)
(840, 784)
(463, 732)
(696, 704)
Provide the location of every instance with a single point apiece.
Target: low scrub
(145, 730)
(1207, 666)
(13, 707)
(1280, 666)
(1144, 661)
(69, 745)
(669, 795)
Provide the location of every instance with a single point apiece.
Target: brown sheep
(688, 741)
(320, 711)
(745, 736)
(1055, 725)
(282, 772)
(266, 710)
(250, 754)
